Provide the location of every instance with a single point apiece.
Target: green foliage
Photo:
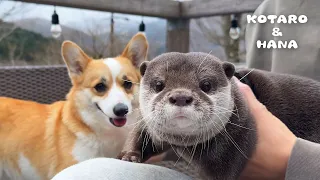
(22, 44)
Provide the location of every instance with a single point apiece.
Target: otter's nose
(180, 100)
(120, 109)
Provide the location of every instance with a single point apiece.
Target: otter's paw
(131, 156)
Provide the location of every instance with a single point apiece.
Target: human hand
(274, 145)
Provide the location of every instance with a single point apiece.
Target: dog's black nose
(180, 100)
(120, 110)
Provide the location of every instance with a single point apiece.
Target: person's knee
(107, 168)
(103, 161)
(88, 169)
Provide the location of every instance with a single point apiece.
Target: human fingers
(252, 101)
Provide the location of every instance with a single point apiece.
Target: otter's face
(186, 95)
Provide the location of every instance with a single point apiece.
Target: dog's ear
(75, 59)
(143, 67)
(229, 69)
(137, 49)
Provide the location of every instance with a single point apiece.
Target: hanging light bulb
(142, 26)
(234, 32)
(55, 27)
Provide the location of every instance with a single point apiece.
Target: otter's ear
(229, 69)
(137, 49)
(143, 67)
(75, 59)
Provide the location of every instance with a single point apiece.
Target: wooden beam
(178, 33)
(153, 8)
(204, 8)
(160, 8)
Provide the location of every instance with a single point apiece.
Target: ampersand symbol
(276, 32)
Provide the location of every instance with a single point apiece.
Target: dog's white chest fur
(92, 146)
(27, 171)
(105, 142)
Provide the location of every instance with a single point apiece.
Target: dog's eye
(159, 86)
(100, 87)
(127, 84)
(205, 86)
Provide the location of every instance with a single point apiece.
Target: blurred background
(29, 36)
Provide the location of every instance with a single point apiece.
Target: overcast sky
(67, 16)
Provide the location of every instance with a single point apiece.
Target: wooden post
(111, 34)
(178, 35)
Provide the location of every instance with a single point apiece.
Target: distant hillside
(25, 45)
(42, 26)
(155, 31)
(123, 33)
(96, 42)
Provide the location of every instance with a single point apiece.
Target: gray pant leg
(113, 169)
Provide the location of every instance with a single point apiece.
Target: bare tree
(220, 35)
(5, 28)
(102, 41)
(15, 51)
(99, 44)
(52, 53)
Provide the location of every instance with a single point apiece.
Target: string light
(142, 26)
(55, 27)
(234, 32)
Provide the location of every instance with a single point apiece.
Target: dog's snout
(120, 109)
(180, 100)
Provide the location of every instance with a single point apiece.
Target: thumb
(252, 101)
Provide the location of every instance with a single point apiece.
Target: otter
(189, 103)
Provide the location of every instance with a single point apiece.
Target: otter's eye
(127, 84)
(205, 86)
(159, 86)
(100, 87)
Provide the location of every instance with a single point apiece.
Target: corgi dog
(37, 141)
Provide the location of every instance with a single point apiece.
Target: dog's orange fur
(46, 134)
